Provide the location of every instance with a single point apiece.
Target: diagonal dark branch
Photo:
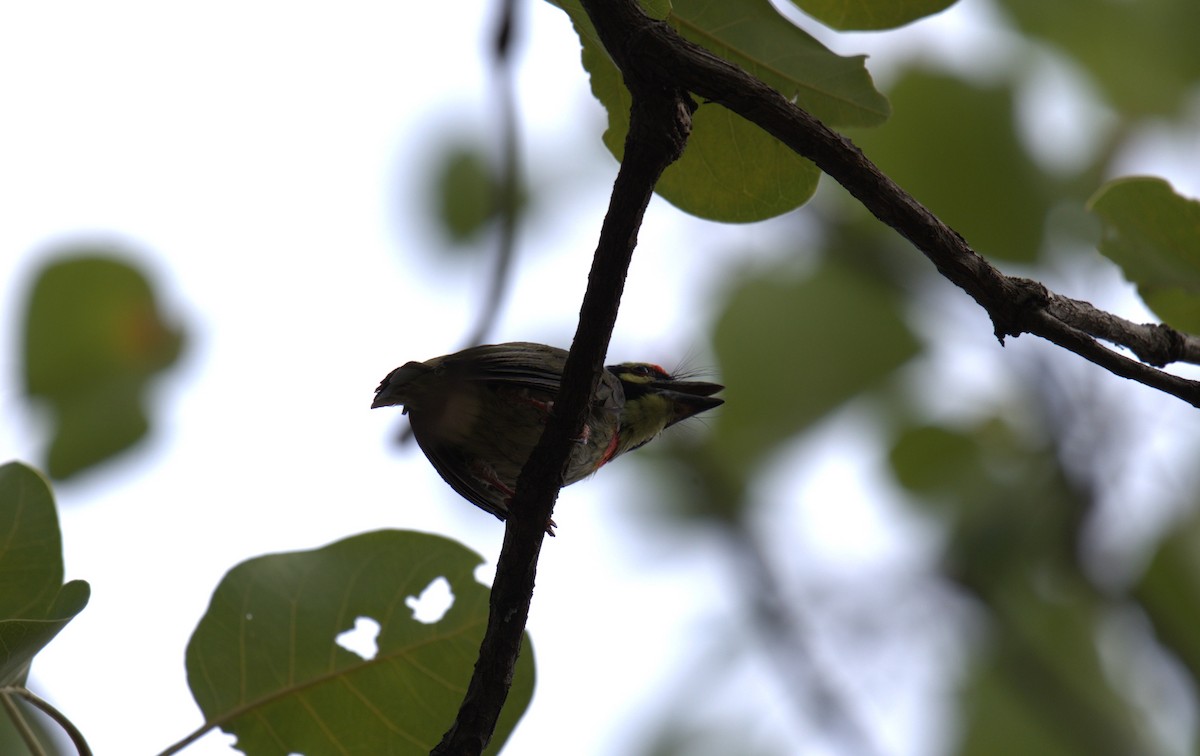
(1015, 305)
(660, 121)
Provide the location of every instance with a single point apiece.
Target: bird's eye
(650, 371)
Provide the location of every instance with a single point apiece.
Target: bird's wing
(519, 363)
(454, 468)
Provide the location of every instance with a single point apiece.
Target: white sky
(265, 157)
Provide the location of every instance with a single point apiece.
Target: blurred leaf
(34, 603)
(954, 147)
(264, 664)
(932, 459)
(1142, 54)
(1169, 592)
(1154, 235)
(466, 191)
(792, 350)
(1042, 689)
(731, 170)
(1002, 494)
(93, 339)
(849, 15)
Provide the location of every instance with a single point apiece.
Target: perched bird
(478, 413)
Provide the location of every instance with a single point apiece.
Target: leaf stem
(77, 739)
(192, 737)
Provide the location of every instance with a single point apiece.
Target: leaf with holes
(270, 661)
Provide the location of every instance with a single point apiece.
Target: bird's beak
(689, 397)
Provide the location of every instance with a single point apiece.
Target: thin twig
(508, 187)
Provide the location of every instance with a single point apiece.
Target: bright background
(270, 163)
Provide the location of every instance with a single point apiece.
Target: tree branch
(660, 121)
(660, 68)
(1015, 305)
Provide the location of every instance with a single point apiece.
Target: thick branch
(660, 121)
(1015, 305)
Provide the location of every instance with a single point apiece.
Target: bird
(478, 413)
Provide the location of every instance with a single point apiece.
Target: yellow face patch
(643, 420)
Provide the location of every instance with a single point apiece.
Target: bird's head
(655, 399)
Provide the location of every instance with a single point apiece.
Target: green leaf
(1169, 592)
(865, 15)
(264, 663)
(753, 35)
(792, 350)
(731, 170)
(34, 603)
(22, 639)
(93, 339)
(1154, 235)
(953, 146)
(1141, 54)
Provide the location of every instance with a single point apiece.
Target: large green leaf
(34, 603)
(1141, 54)
(793, 349)
(953, 146)
(265, 665)
(93, 339)
(1154, 235)
(848, 15)
(731, 170)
